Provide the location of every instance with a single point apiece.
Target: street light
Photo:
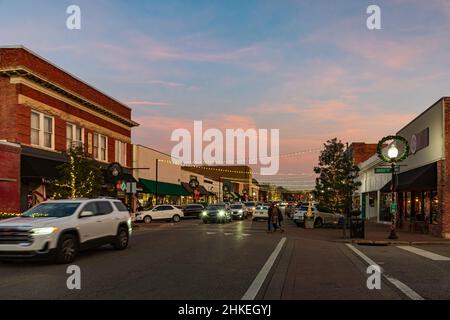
(393, 157)
(393, 152)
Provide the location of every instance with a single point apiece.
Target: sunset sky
(310, 68)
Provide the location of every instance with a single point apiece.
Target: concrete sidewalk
(375, 234)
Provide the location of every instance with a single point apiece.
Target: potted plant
(309, 218)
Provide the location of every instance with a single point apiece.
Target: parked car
(163, 212)
(59, 229)
(217, 213)
(193, 210)
(238, 211)
(251, 207)
(320, 218)
(261, 212)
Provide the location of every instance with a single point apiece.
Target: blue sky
(310, 68)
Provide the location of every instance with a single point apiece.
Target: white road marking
(246, 234)
(410, 293)
(262, 275)
(424, 253)
(227, 234)
(211, 232)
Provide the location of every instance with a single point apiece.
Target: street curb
(392, 242)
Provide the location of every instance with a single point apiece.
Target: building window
(74, 136)
(121, 152)
(100, 147)
(42, 130)
(35, 128)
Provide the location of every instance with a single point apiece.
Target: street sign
(123, 186)
(393, 207)
(131, 187)
(387, 169)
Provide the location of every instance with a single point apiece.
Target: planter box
(309, 223)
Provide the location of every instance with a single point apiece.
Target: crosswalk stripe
(424, 253)
(410, 293)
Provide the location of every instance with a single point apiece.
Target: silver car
(320, 218)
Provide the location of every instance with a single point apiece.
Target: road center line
(424, 253)
(410, 293)
(262, 275)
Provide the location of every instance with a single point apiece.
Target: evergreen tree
(81, 177)
(337, 177)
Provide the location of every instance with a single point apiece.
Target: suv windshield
(52, 210)
(236, 206)
(250, 204)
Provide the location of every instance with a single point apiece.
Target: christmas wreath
(402, 156)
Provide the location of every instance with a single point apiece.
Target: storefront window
(434, 207)
(385, 201)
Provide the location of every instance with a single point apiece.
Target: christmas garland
(385, 158)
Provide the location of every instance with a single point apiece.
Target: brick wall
(67, 108)
(111, 150)
(60, 135)
(444, 177)
(362, 151)
(16, 57)
(9, 169)
(129, 155)
(8, 103)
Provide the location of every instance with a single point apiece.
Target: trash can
(357, 228)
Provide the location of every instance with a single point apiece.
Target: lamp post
(393, 157)
(393, 154)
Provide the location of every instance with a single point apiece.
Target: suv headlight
(204, 213)
(221, 213)
(43, 231)
(241, 211)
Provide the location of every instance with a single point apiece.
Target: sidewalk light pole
(393, 157)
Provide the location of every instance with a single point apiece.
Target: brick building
(423, 183)
(361, 151)
(45, 110)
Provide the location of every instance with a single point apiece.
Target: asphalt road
(191, 260)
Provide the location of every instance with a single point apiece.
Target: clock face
(115, 172)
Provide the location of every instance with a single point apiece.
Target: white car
(261, 212)
(59, 229)
(161, 212)
(238, 211)
(320, 218)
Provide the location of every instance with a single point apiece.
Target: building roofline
(62, 70)
(423, 112)
(153, 149)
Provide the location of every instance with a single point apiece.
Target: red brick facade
(444, 176)
(9, 178)
(28, 82)
(362, 151)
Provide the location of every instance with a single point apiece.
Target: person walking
(271, 213)
(279, 219)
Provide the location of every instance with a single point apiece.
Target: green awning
(164, 188)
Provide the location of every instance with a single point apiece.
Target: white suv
(58, 229)
(160, 212)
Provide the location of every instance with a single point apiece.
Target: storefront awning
(232, 195)
(39, 168)
(164, 188)
(190, 191)
(420, 179)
